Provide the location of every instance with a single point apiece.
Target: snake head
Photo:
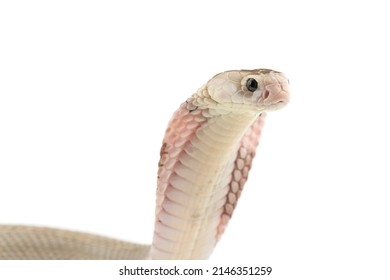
(258, 90)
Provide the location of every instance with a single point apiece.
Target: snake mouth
(277, 105)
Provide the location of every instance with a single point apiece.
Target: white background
(87, 88)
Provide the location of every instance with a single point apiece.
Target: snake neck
(195, 174)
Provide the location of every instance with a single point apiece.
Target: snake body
(205, 159)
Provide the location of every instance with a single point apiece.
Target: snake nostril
(265, 94)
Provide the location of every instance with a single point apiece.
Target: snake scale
(205, 159)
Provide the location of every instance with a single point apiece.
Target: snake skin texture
(41, 243)
(205, 159)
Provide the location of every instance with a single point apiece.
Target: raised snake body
(205, 158)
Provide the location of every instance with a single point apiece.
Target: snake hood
(205, 159)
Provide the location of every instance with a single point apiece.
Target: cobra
(205, 159)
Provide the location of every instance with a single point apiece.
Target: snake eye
(251, 84)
